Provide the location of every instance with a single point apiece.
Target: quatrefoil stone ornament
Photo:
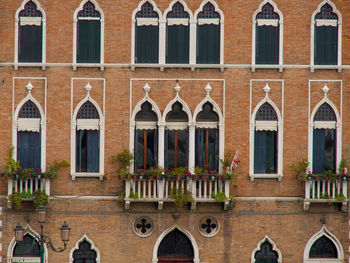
(208, 226)
(143, 226)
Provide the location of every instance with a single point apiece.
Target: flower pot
(204, 177)
(220, 177)
(178, 177)
(134, 177)
(213, 178)
(150, 177)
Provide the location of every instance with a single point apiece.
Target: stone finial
(267, 89)
(323, 220)
(208, 89)
(177, 88)
(29, 87)
(325, 90)
(146, 88)
(88, 87)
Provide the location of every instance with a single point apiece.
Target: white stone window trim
(323, 232)
(314, 125)
(312, 40)
(101, 127)
(17, 20)
(11, 259)
(144, 21)
(186, 233)
(255, 21)
(274, 248)
(279, 174)
(93, 247)
(212, 21)
(75, 39)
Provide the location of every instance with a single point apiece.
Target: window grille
(266, 113)
(178, 12)
(325, 113)
(323, 248)
(207, 113)
(267, 12)
(147, 11)
(29, 110)
(88, 111)
(175, 244)
(89, 11)
(326, 13)
(30, 10)
(146, 113)
(176, 113)
(266, 254)
(84, 253)
(208, 12)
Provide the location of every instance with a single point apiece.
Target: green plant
(232, 203)
(26, 194)
(342, 167)
(15, 200)
(226, 162)
(155, 171)
(198, 171)
(53, 169)
(134, 195)
(124, 160)
(181, 196)
(300, 168)
(179, 171)
(11, 165)
(325, 196)
(40, 198)
(340, 197)
(220, 196)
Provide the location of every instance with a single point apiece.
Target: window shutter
(318, 150)
(30, 43)
(138, 149)
(260, 152)
(93, 151)
(80, 151)
(271, 152)
(200, 148)
(182, 148)
(29, 149)
(330, 150)
(151, 149)
(208, 44)
(326, 45)
(88, 39)
(267, 45)
(147, 44)
(177, 44)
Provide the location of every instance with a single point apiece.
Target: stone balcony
(326, 191)
(158, 190)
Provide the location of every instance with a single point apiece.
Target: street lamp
(43, 239)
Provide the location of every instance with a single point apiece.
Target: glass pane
(175, 245)
(329, 151)
(323, 248)
(139, 142)
(213, 149)
(260, 152)
(178, 148)
(266, 254)
(88, 41)
(271, 152)
(93, 151)
(267, 45)
(326, 45)
(29, 247)
(170, 150)
(182, 152)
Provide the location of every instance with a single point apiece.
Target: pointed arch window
(208, 35)
(146, 137)
(176, 137)
(27, 250)
(267, 36)
(324, 139)
(29, 136)
(323, 248)
(147, 35)
(84, 254)
(89, 34)
(266, 254)
(207, 138)
(30, 34)
(266, 140)
(326, 36)
(88, 139)
(177, 35)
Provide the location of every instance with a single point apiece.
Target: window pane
(177, 44)
(88, 41)
(29, 149)
(30, 43)
(323, 248)
(329, 151)
(139, 142)
(265, 152)
(182, 148)
(147, 42)
(326, 45)
(324, 150)
(170, 149)
(29, 247)
(151, 149)
(200, 148)
(178, 148)
(267, 45)
(213, 149)
(88, 152)
(208, 44)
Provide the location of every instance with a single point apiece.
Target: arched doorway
(175, 247)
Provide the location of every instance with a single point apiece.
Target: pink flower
(212, 172)
(38, 169)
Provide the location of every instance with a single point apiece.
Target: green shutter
(177, 50)
(147, 44)
(89, 41)
(267, 45)
(208, 44)
(326, 45)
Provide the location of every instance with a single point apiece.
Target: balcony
(326, 191)
(158, 190)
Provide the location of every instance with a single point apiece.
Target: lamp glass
(19, 233)
(65, 232)
(41, 214)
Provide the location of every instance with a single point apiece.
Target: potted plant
(179, 172)
(213, 174)
(300, 168)
(198, 171)
(156, 172)
(124, 160)
(180, 195)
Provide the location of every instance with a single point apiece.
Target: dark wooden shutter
(208, 44)
(30, 43)
(147, 44)
(88, 41)
(271, 151)
(200, 148)
(330, 150)
(177, 40)
(93, 151)
(318, 150)
(139, 140)
(29, 149)
(267, 45)
(326, 45)
(260, 152)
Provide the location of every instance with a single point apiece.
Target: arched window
(207, 138)
(266, 140)
(266, 254)
(88, 139)
(323, 248)
(324, 139)
(208, 35)
(146, 138)
(88, 33)
(30, 32)
(84, 254)
(26, 251)
(176, 137)
(267, 26)
(326, 35)
(147, 35)
(29, 136)
(177, 35)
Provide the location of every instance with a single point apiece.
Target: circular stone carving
(143, 226)
(208, 226)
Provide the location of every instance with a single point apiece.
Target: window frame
(43, 23)
(274, 248)
(75, 36)
(93, 247)
(278, 66)
(312, 40)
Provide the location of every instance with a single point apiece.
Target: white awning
(177, 125)
(207, 125)
(324, 124)
(88, 124)
(177, 21)
(29, 124)
(141, 21)
(266, 125)
(267, 22)
(146, 125)
(30, 21)
(327, 22)
(208, 21)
